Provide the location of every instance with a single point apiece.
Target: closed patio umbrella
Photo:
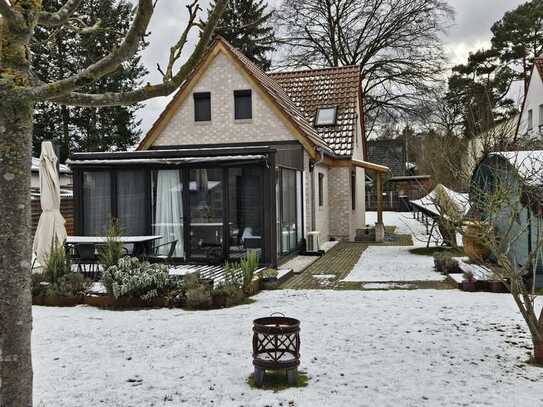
(51, 228)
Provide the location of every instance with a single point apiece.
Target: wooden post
(379, 227)
(379, 198)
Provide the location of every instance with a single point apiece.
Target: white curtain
(169, 210)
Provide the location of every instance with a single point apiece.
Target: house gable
(221, 73)
(533, 102)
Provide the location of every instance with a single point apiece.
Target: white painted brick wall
(221, 79)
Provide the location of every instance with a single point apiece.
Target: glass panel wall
(206, 214)
(245, 211)
(167, 211)
(96, 202)
(288, 211)
(131, 202)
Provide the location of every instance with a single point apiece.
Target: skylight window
(326, 116)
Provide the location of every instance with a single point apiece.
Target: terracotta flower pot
(472, 246)
(495, 286)
(469, 286)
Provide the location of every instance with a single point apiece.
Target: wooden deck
(326, 272)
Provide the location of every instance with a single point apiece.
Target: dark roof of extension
(328, 87)
(389, 153)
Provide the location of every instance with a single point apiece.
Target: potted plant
(495, 285)
(269, 279)
(469, 282)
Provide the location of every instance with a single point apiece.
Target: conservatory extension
(216, 203)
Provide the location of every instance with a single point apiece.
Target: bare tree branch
(7, 11)
(126, 50)
(150, 91)
(61, 16)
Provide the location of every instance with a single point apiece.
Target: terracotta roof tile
(315, 88)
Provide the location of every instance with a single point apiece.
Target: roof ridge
(307, 70)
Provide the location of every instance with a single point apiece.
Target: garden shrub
(445, 263)
(133, 278)
(198, 297)
(57, 277)
(111, 251)
(249, 264)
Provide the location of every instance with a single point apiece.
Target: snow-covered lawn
(395, 263)
(377, 348)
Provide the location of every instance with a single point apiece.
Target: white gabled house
(531, 119)
(239, 159)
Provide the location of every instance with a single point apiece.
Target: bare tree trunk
(15, 233)
(15, 253)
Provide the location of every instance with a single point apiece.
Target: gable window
(353, 190)
(243, 107)
(321, 189)
(540, 115)
(326, 116)
(530, 119)
(202, 106)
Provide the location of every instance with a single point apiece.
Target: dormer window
(326, 116)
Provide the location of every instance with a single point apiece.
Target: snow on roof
(529, 164)
(64, 169)
(429, 202)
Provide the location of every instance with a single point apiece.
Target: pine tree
(246, 25)
(58, 54)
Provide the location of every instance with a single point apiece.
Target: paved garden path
(330, 268)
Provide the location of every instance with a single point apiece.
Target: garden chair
(157, 257)
(84, 256)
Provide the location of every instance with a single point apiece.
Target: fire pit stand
(276, 346)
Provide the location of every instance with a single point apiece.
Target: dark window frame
(321, 189)
(353, 190)
(243, 112)
(202, 116)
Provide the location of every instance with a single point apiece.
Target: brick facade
(222, 78)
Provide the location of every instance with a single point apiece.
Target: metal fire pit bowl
(276, 346)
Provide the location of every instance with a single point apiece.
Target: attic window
(326, 116)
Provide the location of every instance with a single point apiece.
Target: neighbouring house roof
(528, 164)
(431, 202)
(338, 87)
(390, 153)
(63, 169)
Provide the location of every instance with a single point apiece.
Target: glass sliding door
(245, 205)
(206, 205)
(288, 210)
(96, 202)
(131, 188)
(167, 209)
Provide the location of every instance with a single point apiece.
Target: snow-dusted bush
(133, 278)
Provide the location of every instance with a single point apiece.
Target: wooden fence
(66, 209)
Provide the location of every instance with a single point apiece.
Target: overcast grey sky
(470, 32)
